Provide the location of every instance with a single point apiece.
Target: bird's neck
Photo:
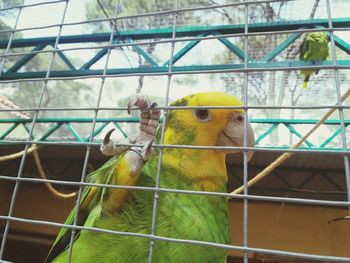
(204, 169)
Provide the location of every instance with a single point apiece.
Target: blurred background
(139, 64)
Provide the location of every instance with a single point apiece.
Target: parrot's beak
(233, 134)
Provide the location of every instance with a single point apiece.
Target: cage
(67, 69)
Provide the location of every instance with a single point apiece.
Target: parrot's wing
(91, 195)
(303, 49)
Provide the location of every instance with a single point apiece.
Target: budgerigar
(178, 215)
(314, 48)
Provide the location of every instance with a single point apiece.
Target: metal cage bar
(341, 113)
(169, 70)
(20, 170)
(88, 149)
(159, 165)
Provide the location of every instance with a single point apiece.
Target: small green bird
(179, 216)
(314, 48)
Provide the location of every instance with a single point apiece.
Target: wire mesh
(248, 79)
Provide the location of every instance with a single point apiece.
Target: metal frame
(173, 35)
(57, 123)
(193, 35)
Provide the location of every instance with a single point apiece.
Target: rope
(287, 155)
(43, 176)
(34, 149)
(17, 155)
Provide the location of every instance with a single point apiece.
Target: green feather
(314, 48)
(193, 217)
(100, 176)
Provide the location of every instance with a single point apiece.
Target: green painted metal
(294, 131)
(330, 138)
(74, 132)
(184, 50)
(97, 131)
(181, 32)
(69, 120)
(25, 59)
(260, 66)
(343, 45)
(298, 121)
(66, 60)
(234, 49)
(277, 50)
(147, 56)
(120, 129)
(58, 122)
(94, 59)
(50, 131)
(9, 130)
(135, 119)
(269, 131)
(28, 130)
(189, 31)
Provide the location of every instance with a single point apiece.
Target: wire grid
(246, 71)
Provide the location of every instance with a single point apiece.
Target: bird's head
(208, 127)
(320, 37)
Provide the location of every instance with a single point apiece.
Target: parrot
(180, 216)
(313, 48)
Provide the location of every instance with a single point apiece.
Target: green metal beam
(66, 120)
(66, 60)
(281, 47)
(74, 132)
(183, 51)
(28, 130)
(133, 120)
(97, 131)
(330, 138)
(269, 131)
(342, 64)
(340, 43)
(182, 32)
(236, 50)
(58, 122)
(294, 131)
(50, 131)
(146, 56)
(25, 59)
(120, 129)
(8, 131)
(189, 31)
(94, 59)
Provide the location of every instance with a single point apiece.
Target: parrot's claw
(106, 139)
(146, 151)
(149, 123)
(149, 117)
(108, 147)
(139, 100)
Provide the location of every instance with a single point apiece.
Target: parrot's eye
(202, 114)
(240, 118)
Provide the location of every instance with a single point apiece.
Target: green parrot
(314, 48)
(179, 216)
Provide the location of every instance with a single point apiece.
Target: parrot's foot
(136, 157)
(108, 147)
(147, 134)
(149, 118)
(145, 153)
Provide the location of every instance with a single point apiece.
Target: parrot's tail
(306, 81)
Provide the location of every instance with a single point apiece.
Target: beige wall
(271, 225)
(293, 228)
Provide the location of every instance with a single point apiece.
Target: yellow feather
(122, 176)
(206, 168)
